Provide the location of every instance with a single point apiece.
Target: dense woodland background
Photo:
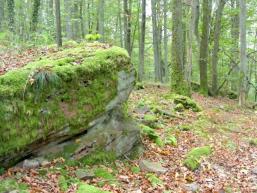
(210, 43)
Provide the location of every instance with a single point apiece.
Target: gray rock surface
(84, 174)
(192, 187)
(154, 167)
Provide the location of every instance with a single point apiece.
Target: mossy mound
(57, 96)
(9, 185)
(186, 102)
(193, 158)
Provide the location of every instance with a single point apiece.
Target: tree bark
(101, 19)
(2, 3)
(58, 23)
(142, 42)
(243, 57)
(156, 36)
(178, 84)
(11, 12)
(127, 6)
(217, 29)
(203, 61)
(35, 12)
(165, 39)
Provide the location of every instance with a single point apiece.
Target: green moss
(63, 184)
(11, 184)
(149, 132)
(99, 157)
(185, 127)
(103, 173)
(179, 107)
(171, 140)
(85, 188)
(154, 180)
(193, 158)
(135, 169)
(187, 102)
(87, 83)
(253, 141)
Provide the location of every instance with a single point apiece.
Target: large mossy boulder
(70, 101)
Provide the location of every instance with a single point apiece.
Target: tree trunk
(1, 14)
(120, 26)
(142, 43)
(165, 39)
(178, 84)
(127, 5)
(235, 43)
(243, 57)
(67, 5)
(81, 16)
(156, 48)
(58, 23)
(10, 6)
(215, 53)
(101, 19)
(203, 61)
(34, 20)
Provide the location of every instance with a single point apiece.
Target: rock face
(67, 104)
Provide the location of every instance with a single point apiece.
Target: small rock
(14, 191)
(30, 164)
(193, 187)
(42, 161)
(84, 174)
(254, 170)
(149, 166)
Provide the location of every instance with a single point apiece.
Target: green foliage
(92, 37)
(11, 184)
(63, 184)
(135, 169)
(103, 173)
(154, 180)
(193, 158)
(85, 188)
(171, 140)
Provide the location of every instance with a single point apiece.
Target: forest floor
(230, 131)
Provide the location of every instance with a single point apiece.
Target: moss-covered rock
(58, 96)
(8, 185)
(186, 102)
(193, 158)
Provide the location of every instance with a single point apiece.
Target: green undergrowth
(99, 157)
(253, 141)
(154, 180)
(85, 188)
(152, 135)
(194, 157)
(66, 89)
(11, 185)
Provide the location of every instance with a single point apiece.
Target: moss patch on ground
(67, 90)
(85, 188)
(193, 158)
(11, 184)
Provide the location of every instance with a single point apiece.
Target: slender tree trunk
(120, 25)
(58, 23)
(203, 61)
(10, 6)
(81, 16)
(101, 19)
(165, 39)
(67, 5)
(142, 43)
(215, 53)
(2, 5)
(35, 12)
(156, 48)
(243, 57)
(127, 5)
(178, 84)
(196, 16)
(235, 42)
